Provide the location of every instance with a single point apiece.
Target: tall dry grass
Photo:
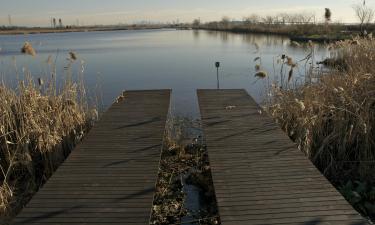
(333, 119)
(39, 126)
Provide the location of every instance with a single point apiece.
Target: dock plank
(259, 175)
(110, 177)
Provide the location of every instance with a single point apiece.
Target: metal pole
(217, 65)
(217, 77)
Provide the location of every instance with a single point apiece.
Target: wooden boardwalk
(259, 175)
(110, 177)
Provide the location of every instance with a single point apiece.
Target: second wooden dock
(259, 175)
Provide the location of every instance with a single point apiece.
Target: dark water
(156, 59)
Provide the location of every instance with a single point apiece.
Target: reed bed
(333, 120)
(39, 126)
(296, 30)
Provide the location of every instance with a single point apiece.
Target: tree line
(364, 14)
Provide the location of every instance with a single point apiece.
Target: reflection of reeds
(333, 119)
(37, 121)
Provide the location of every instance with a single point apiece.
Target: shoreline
(297, 38)
(27, 31)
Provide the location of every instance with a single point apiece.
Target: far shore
(299, 32)
(319, 38)
(26, 31)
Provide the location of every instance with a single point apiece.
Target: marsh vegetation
(40, 123)
(332, 120)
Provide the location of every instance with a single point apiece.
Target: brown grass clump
(333, 120)
(39, 126)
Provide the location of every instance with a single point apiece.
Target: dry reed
(38, 122)
(333, 119)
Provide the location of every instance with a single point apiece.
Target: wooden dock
(110, 177)
(259, 175)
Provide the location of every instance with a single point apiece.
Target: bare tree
(364, 14)
(60, 23)
(225, 21)
(328, 15)
(268, 20)
(284, 18)
(54, 22)
(252, 19)
(293, 18)
(10, 20)
(306, 18)
(196, 22)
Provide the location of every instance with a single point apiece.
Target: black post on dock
(217, 65)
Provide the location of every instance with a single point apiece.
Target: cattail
(257, 67)
(28, 49)
(261, 74)
(289, 61)
(40, 81)
(73, 56)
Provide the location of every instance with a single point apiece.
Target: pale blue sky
(39, 12)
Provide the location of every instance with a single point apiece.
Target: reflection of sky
(179, 60)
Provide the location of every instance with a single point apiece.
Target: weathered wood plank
(259, 175)
(110, 177)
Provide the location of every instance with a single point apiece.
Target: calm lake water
(181, 60)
